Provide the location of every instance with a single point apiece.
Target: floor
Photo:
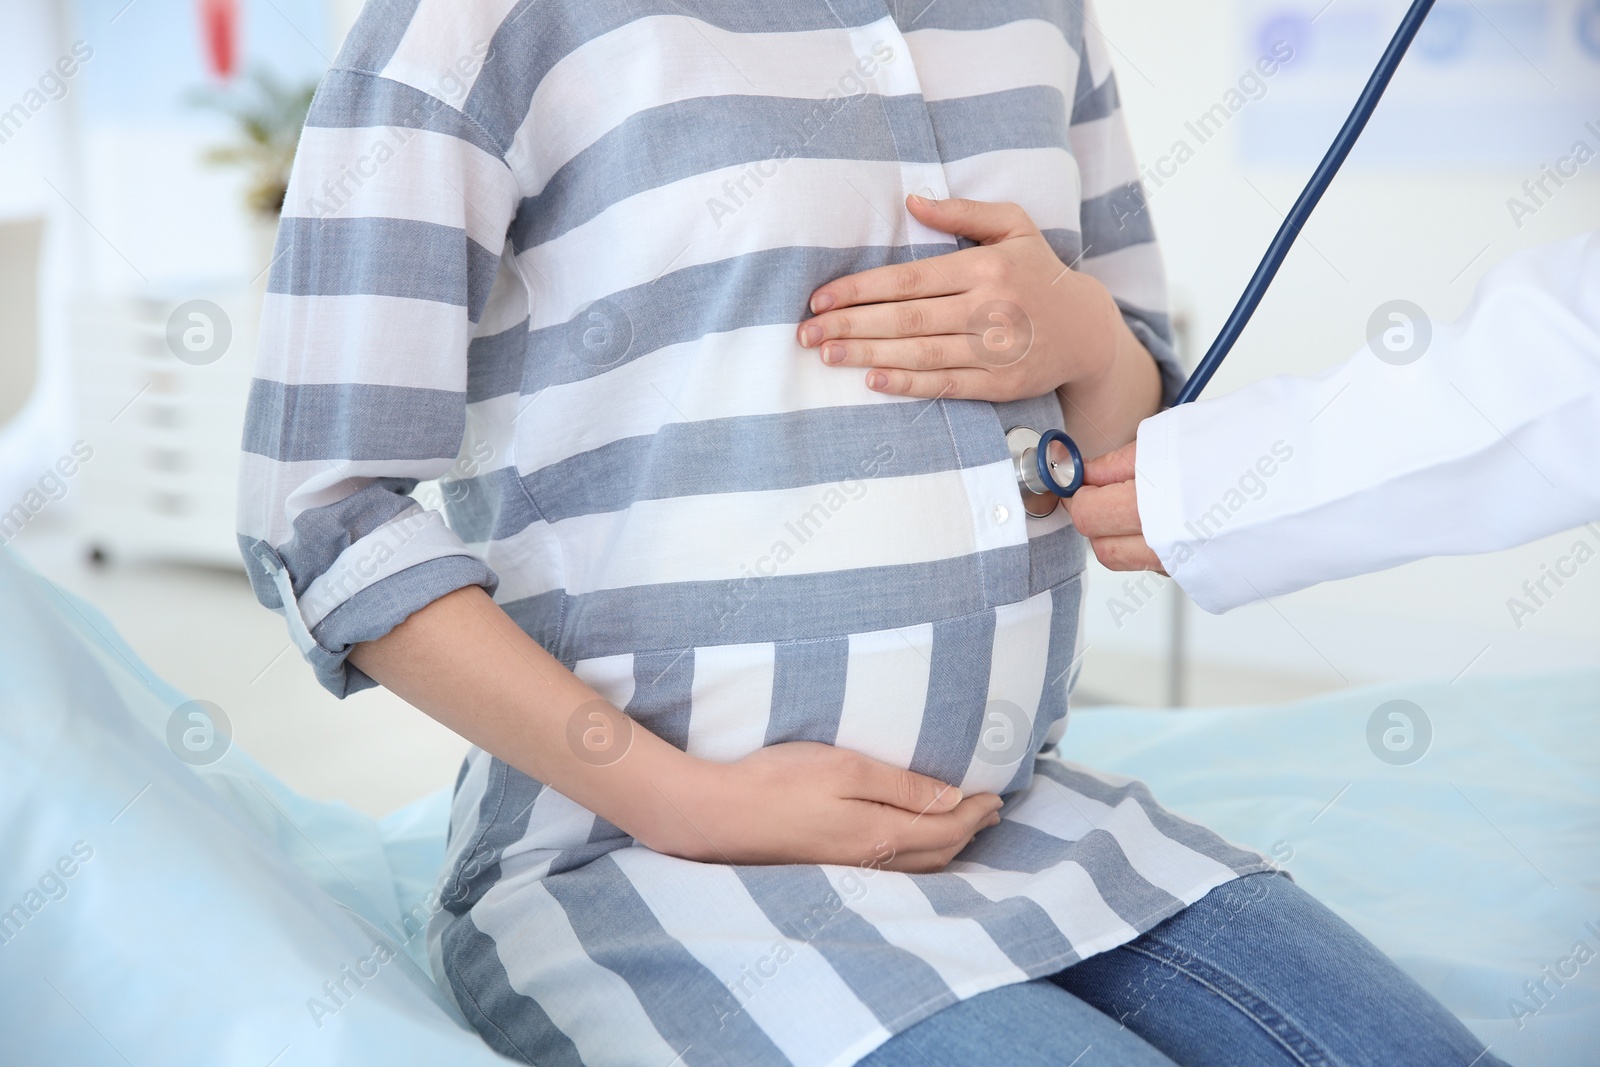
(202, 630)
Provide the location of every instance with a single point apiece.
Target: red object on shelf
(219, 29)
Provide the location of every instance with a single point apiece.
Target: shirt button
(1000, 514)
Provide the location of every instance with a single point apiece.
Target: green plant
(270, 113)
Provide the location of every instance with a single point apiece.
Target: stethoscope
(1049, 465)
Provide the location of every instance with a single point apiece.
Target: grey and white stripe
(551, 255)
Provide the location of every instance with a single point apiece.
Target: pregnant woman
(710, 319)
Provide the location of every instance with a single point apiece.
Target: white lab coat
(1491, 438)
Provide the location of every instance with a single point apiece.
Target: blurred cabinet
(20, 242)
(165, 430)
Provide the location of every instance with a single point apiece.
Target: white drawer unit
(164, 431)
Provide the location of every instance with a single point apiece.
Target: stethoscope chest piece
(1048, 467)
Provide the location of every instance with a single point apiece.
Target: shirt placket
(977, 437)
(906, 113)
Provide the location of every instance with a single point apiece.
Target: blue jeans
(1255, 974)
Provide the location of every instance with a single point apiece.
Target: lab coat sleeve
(1489, 439)
(387, 271)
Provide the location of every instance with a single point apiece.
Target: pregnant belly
(967, 699)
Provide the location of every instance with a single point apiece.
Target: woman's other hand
(1004, 320)
(805, 802)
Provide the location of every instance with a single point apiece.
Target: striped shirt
(550, 255)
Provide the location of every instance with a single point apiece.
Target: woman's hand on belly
(1006, 320)
(466, 663)
(805, 802)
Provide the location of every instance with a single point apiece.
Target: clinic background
(110, 219)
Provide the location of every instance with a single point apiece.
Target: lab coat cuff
(1155, 479)
(1158, 484)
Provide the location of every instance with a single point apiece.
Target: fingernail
(876, 380)
(821, 302)
(921, 200)
(810, 335)
(833, 353)
(955, 794)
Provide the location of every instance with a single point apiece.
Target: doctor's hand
(1005, 320)
(1106, 511)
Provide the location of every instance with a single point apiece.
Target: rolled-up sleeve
(392, 234)
(1119, 240)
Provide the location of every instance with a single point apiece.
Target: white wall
(341, 16)
(35, 157)
(1421, 233)
(172, 224)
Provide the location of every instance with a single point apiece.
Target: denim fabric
(1256, 974)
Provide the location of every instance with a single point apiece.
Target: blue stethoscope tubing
(1321, 178)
